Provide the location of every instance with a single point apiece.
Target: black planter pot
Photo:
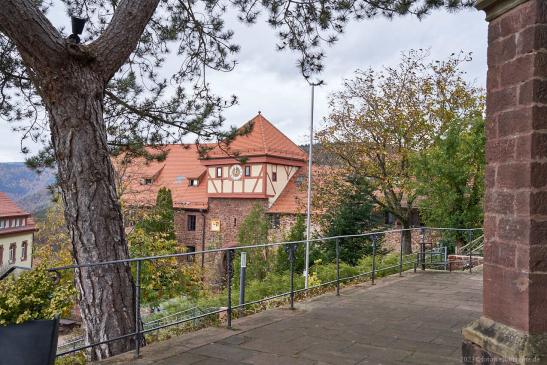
(30, 343)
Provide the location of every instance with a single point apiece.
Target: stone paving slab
(416, 319)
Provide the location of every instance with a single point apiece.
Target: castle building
(16, 235)
(213, 193)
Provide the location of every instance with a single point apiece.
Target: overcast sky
(269, 81)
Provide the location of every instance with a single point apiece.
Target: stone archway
(513, 328)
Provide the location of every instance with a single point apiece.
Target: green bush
(34, 295)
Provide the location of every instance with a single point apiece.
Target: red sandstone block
(533, 91)
(514, 229)
(501, 253)
(537, 301)
(499, 202)
(501, 100)
(539, 174)
(539, 145)
(519, 70)
(490, 225)
(490, 175)
(539, 117)
(513, 175)
(521, 17)
(494, 30)
(515, 121)
(493, 79)
(523, 257)
(506, 293)
(500, 150)
(532, 39)
(523, 149)
(501, 50)
(522, 203)
(491, 127)
(536, 258)
(538, 232)
(538, 203)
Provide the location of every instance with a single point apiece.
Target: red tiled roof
(263, 140)
(181, 164)
(185, 162)
(8, 208)
(293, 199)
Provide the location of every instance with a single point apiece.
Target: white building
(16, 235)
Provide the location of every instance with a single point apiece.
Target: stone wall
(230, 212)
(515, 219)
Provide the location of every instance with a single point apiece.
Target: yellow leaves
(34, 295)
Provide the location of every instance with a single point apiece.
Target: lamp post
(308, 208)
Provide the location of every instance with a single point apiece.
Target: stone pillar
(513, 328)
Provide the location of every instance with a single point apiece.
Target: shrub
(34, 295)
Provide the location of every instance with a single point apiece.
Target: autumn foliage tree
(107, 94)
(381, 119)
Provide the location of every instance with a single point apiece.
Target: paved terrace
(415, 319)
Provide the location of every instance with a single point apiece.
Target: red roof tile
(8, 208)
(293, 199)
(263, 140)
(181, 164)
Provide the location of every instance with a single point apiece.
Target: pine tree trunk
(92, 210)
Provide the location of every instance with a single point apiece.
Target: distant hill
(26, 187)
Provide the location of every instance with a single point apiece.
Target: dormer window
(193, 182)
(146, 181)
(219, 172)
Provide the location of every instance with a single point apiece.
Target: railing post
(469, 239)
(291, 261)
(373, 259)
(138, 311)
(229, 278)
(242, 273)
(338, 266)
(422, 247)
(401, 255)
(445, 258)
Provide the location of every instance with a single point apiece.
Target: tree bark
(92, 211)
(71, 80)
(406, 238)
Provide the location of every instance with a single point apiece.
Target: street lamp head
(78, 25)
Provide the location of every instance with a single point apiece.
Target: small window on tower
(247, 170)
(235, 222)
(219, 171)
(274, 176)
(191, 221)
(275, 220)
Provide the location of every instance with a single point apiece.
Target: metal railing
(438, 257)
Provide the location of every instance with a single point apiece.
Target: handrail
(239, 248)
(139, 330)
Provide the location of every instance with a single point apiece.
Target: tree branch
(122, 35)
(39, 43)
